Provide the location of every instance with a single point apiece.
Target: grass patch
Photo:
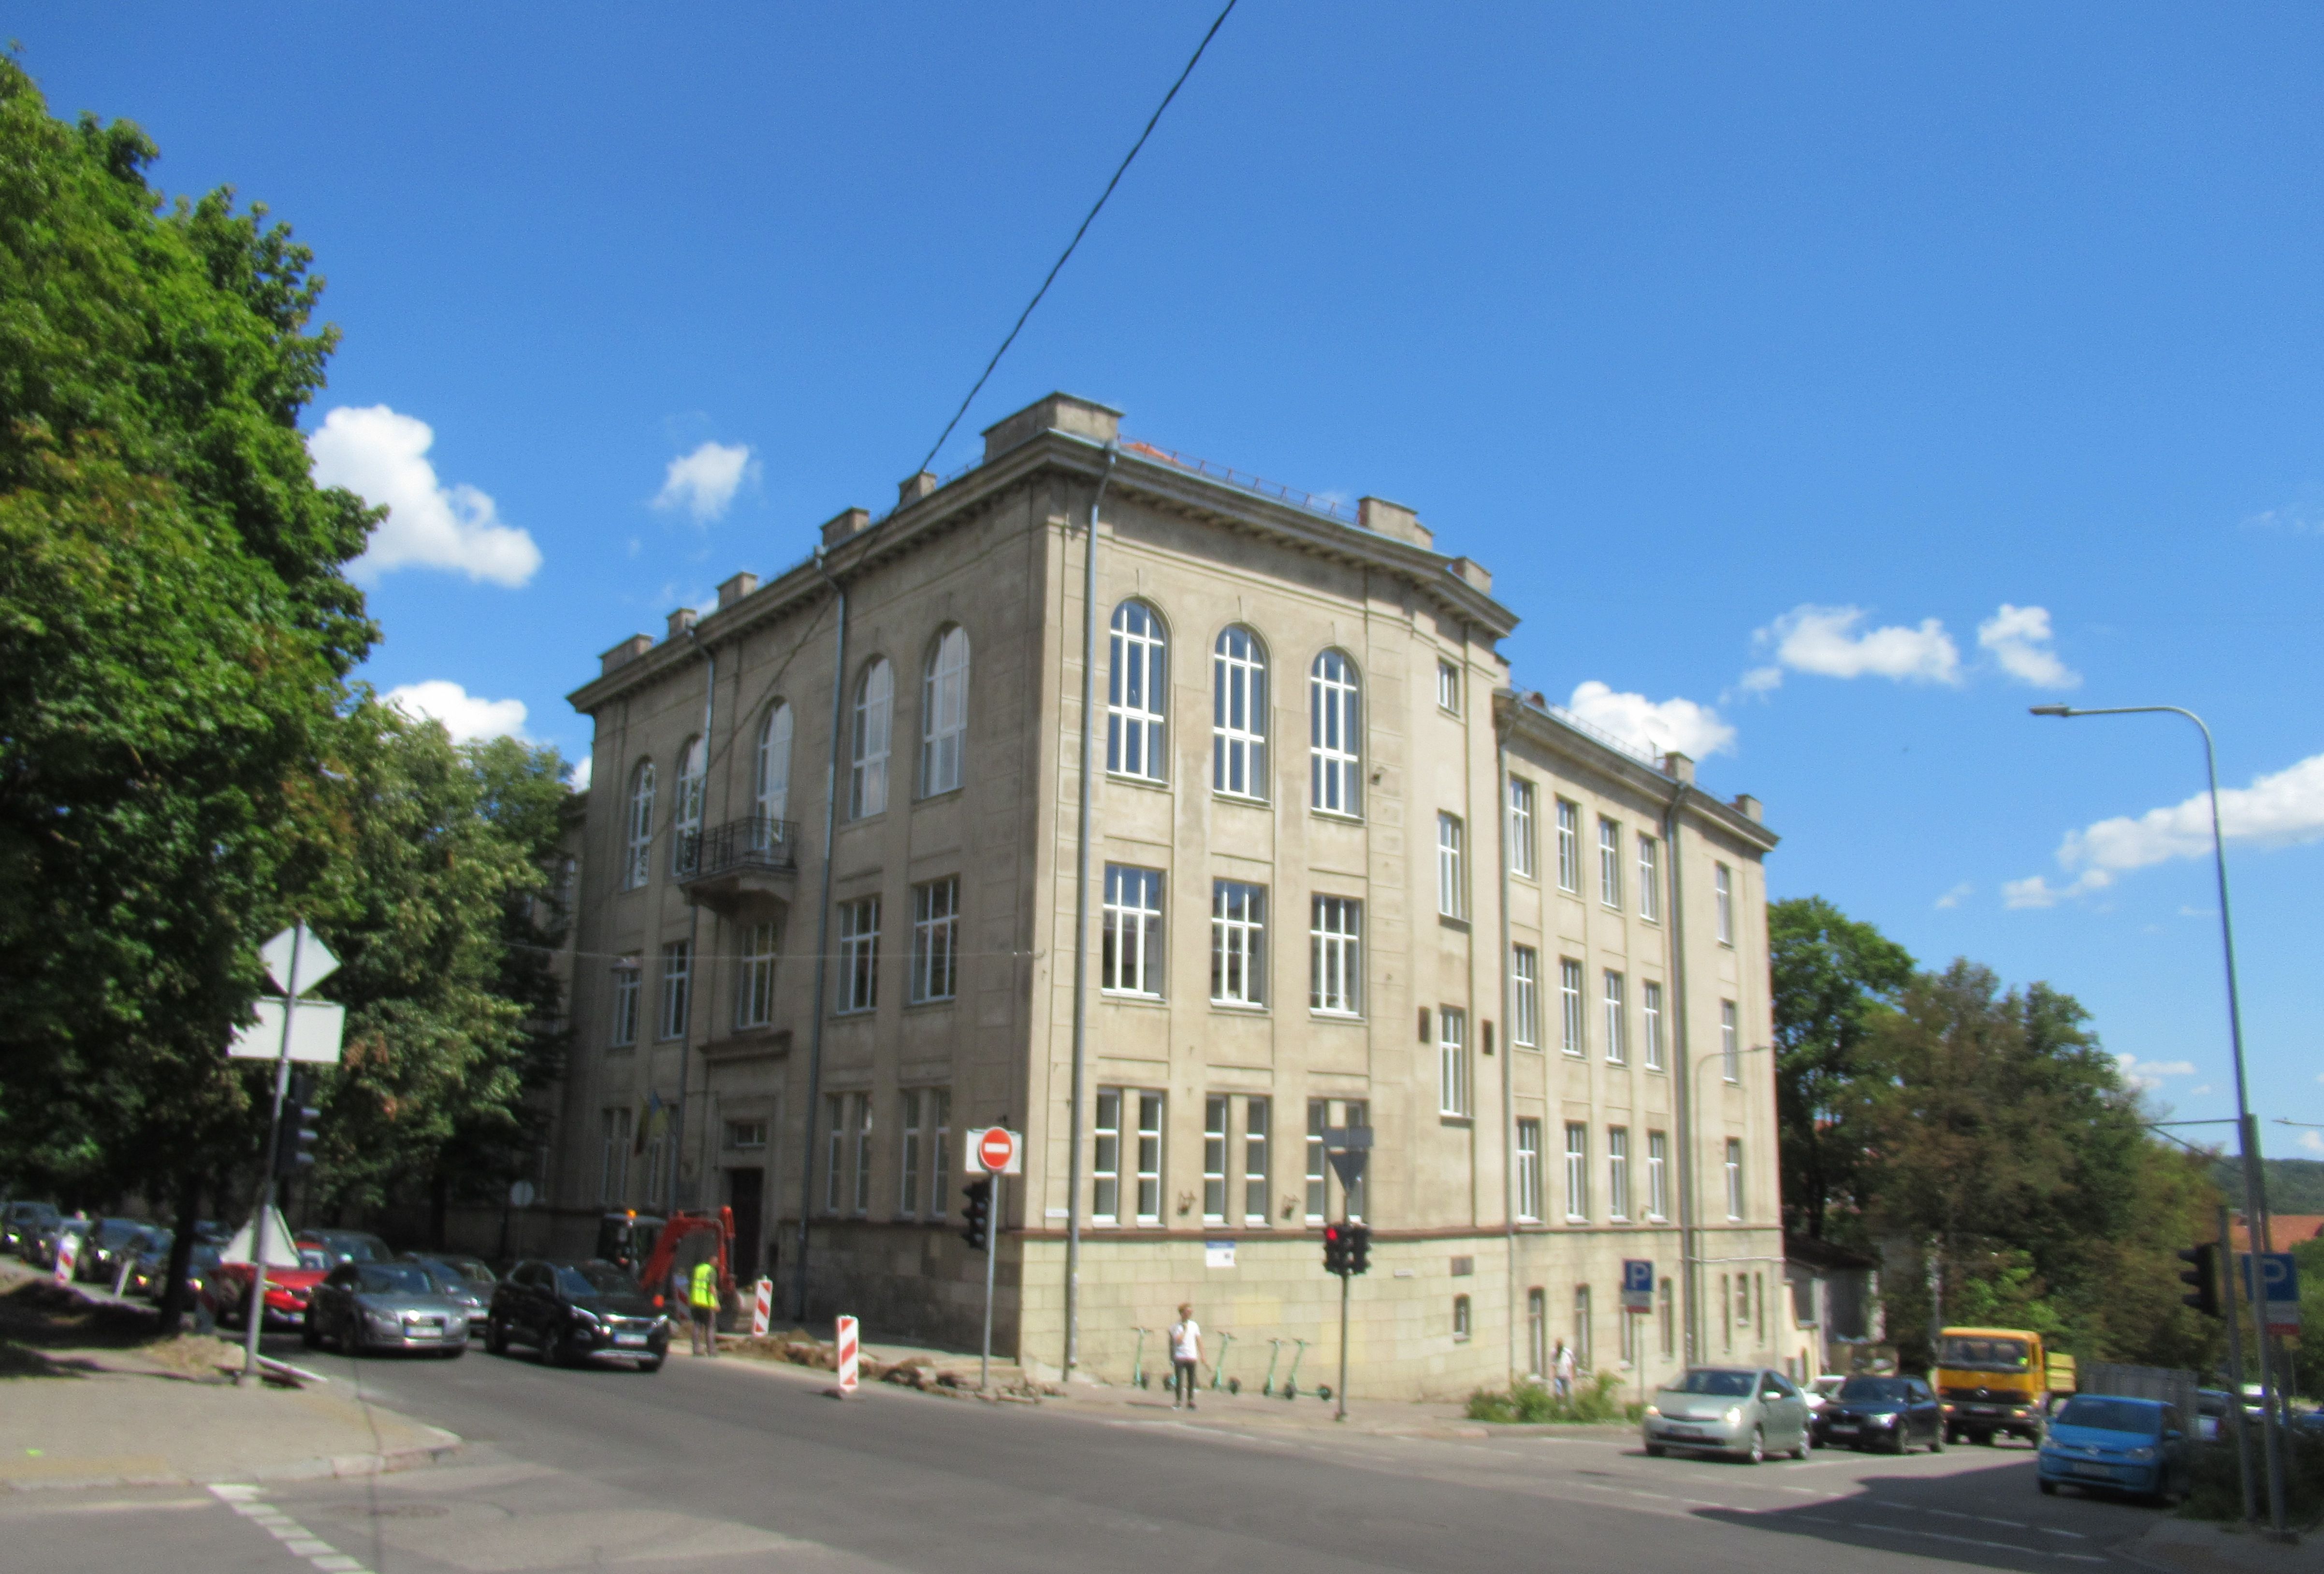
(1595, 1401)
(2216, 1492)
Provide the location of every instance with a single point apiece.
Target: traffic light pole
(1341, 1414)
(991, 1250)
(256, 1319)
(2235, 1372)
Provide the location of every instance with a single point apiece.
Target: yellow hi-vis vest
(705, 1286)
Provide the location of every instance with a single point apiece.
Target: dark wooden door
(745, 1191)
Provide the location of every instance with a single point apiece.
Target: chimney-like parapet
(1679, 766)
(1384, 517)
(1749, 806)
(913, 488)
(1474, 572)
(622, 654)
(846, 522)
(1060, 412)
(681, 622)
(736, 588)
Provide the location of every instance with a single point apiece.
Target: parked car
(2211, 1412)
(363, 1307)
(145, 1279)
(463, 1279)
(2135, 1446)
(335, 1247)
(102, 1247)
(1749, 1410)
(20, 1224)
(1882, 1413)
(287, 1289)
(49, 1241)
(1819, 1392)
(576, 1313)
(151, 1243)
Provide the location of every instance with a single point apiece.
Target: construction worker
(703, 1295)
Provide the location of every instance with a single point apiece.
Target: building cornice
(1519, 718)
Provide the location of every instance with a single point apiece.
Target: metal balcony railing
(753, 844)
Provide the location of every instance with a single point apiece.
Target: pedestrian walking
(1562, 1365)
(703, 1295)
(1185, 1355)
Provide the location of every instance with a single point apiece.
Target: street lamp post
(2247, 1132)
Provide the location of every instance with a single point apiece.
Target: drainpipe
(1508, 1054)
(694, 970)
(1081, 931)
(1675, 940)
(822, 937)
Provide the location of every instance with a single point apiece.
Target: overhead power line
(1088, 219)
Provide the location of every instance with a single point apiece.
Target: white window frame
(1617, 993)
(1521, 807)
(861, 1144)
(1336, 956)
(747, 1136)
(1730, 1048)
(1463, 1319)
(1217, 1112)
(674, 1012)
(1525, 997)
(1105, 1158)
(834, 1149)
(1448, 685)
(625, 1003)
(1258, 1158)
(1657, 1176)
(1722, 894)
(1650, 878)
(1239, 715)
(944, 713)
(640, 867)
(1138, 695)
(685, 814)
(1150, 1112)
(908, 1141)
(1618, 1172)
(1572, 1032)
(770, 766)
(755, 978)
(935, 941)
(1609, 863)
(1577, 1172)
(1650, 1019)
(613, 1157)
(871, 737)
(1319, 1189)
(858, 956)
(1238, 945)
(1334, 736)
(1451, 866)
(1529, 1169)
(1455, 1093)
(1582, 1343)
(1569, 845)
(1130, 933)
(1734, 1178)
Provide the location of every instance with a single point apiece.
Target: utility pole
(2235, 1372)
(258, 1221)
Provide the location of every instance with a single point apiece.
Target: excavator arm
(654, 1277)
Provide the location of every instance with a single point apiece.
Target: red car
(286, 1289)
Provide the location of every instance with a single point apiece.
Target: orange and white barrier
(762, 1309)
(850, 1356)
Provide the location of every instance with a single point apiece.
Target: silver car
(1749, 1410)
(384, 1306)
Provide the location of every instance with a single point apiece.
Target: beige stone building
(1339, 873)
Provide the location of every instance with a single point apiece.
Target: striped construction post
(762, 1309)
(850, 1354)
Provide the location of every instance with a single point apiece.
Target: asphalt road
(737, 1466)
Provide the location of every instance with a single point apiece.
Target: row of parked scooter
(1141, 1377)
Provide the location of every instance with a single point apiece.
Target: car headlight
(1654, 1409)
(1887, 1420)
(2138, 1453)
(1734, 1415)
(583, 1318)
(384, 1322)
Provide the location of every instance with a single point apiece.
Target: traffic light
(294, 1148)
(978, 1212)
(2203, 1276)
(1336, 1249)
(1359, 1247)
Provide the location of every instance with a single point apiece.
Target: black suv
(576, 1313)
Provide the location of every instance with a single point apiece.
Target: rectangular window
(625, 1003)
(1726, 1312)
(1319, 1117)
(1237, 716)
(862, 1154)
(1650, 1021)
(909, 1136)
(1452, 870)
(1722, 903)
(939, 1116)
(1628, 1322)
(1730, 1051)
(936, 940)
(1130, 950)
(1137, 691)
(1334, 736)
(1149, 1158)
(1448, 686)
(1569, 1004)
(1461, 1329)
(1618, 1021)
(1238, 943)
(613, 1158)
(745, 1136)
(1105, 1159)
(1657, 1176)
(1336, 956)
(1529, 1170)
(859, 954)
(1650, 878)
(1452, 1060)
(1665, 1308)
(1525, 997)
(1577, 1172)
(1536, 1332)
(677, 987)
(1257, 1129)
(1618, 1172)
(1581, 1329)
(1215, 1159)
(754, 981)
(1520, 826)
(1569, 845)
(834, 1153)
(1734, 1178)
(1609, 863)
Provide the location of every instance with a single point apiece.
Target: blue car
(2135, 1446)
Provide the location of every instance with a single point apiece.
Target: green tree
(174, 630)
(1833, 978)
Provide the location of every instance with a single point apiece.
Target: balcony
(742, 868)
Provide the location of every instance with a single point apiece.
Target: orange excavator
(672, 1242)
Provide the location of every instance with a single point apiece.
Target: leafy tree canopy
(1832, 977)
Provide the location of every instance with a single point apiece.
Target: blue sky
(1767, 355)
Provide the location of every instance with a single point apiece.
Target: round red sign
(996, 1149)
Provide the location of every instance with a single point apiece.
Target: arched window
(944, 713)
(685, 814)
(770, 777)
(639, 829)
(1334, 736)
(1239, 714)
(875, 705)
(1136, 690)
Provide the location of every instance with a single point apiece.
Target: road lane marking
(296, 1539)
(122, 1506)
(2050, 1529)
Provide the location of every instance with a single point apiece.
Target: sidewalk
(2186, 1546)
(115, 1413)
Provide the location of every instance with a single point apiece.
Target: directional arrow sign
(316, 1029)
(315, 960)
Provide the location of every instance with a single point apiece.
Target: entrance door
(745, 1189)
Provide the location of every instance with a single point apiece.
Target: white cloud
(2281, 810)
(577, 778)
(704, 483)
(2019, 639)
(2198, 1089)
(2312, 1141)
(2148, 1075)
(464, 715)
(1953, 899)
(1653, 726)
(1827, 641)
(2037, 892)
(382, 456)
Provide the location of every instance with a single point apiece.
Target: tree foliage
(1832, 977)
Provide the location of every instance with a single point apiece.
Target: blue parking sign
(1637, 1284)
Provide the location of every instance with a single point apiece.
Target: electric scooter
(1274, 1354)
(1219, 1367)
(1291, 1383)
(1138, 1360)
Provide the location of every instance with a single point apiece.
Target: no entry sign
(995, 1150)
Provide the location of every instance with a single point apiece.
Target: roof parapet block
(681, 622)
(622, 654)
(913, 488)
(1384, 517)
(736, 588)
(1474, 572)
(1750, 807)
(1060, 412)
(846, 522)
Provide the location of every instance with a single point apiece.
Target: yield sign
(297, 948)
(1350, 1166)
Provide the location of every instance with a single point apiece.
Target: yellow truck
(1995, 1382)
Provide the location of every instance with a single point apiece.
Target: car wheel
(1656, 1450)
(1937, 1441)
(1758, 1452)
(455, 1352)
(650, 1366)
(495, 1338)
(309, 1334)
(2048, 1489)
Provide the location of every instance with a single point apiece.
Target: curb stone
(442, 1447)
